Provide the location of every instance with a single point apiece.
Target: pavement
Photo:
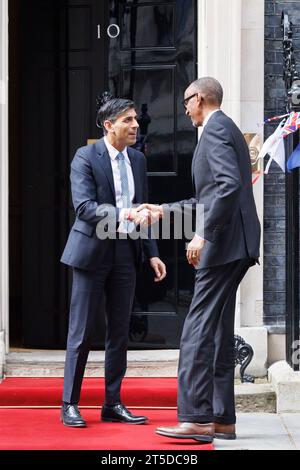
(264, 431)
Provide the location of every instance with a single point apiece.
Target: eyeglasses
(185, 102)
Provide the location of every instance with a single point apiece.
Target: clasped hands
(148, 214)
(145, 214)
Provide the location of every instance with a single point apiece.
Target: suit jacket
(94, 199)
(221, 172)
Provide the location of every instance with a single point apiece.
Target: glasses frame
(186, 100)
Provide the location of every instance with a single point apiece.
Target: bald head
(210, 88)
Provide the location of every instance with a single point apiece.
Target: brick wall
(274, 182)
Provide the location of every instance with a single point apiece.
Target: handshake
(144, 214)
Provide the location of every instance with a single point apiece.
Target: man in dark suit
(106, 179)
(221, 254)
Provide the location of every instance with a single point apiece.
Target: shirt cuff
(122, 215)
(201, 238)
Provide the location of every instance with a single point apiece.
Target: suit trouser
(116, 277)
(207, 362)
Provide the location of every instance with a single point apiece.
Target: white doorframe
(231, 49)
(219, 56)
(219, 49)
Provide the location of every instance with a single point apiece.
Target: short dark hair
(211, 88)
(110, 108)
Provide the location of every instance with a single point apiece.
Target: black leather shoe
(70, 416)
(120, 414)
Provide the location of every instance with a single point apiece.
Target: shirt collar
(113, 152)
(209, 116)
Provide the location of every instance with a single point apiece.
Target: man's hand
(159, 268)
(193, 250)
(155, 212)
(142, 217)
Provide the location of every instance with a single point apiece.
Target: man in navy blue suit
(107, 178)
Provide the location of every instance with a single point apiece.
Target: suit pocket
(84, 227)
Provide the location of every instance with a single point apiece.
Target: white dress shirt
(209, 116)
(113, 152)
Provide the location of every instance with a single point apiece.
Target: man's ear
(108, 126)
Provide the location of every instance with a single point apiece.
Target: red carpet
(40, 429)
(33, 429)
(145, 391)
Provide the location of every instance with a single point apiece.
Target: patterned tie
(125, 196)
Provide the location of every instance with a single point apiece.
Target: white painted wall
(252, 113)
(231, 49)
(219, 49)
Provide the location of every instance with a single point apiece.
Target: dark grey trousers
(116, 277)
(206, 363)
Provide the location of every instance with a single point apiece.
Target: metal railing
(292, 87)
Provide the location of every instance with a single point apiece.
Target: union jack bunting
(275, 118)
(292, 124)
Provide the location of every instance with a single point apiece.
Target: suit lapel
(214, 116)
(104, 160)
(136, 174)
(105, 164)
(194, 160)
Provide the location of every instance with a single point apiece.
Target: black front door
(70, 51)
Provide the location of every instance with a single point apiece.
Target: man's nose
(187, 112)
(135, 124)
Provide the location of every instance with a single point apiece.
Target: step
(251, 398)
(136, 392)
(43, 363)
(47, 392)
(50, 363)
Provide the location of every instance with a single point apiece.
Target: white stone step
(34, 363)
(256, 397)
